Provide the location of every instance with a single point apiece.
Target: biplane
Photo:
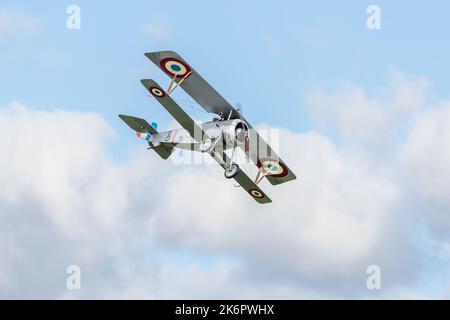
(226, 132)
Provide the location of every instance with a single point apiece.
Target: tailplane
(144, 130)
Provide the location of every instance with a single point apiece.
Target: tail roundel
(145, 131)
(144, 135)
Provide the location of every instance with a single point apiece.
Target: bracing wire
(198, 112)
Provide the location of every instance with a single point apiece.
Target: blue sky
(267, 56)
(243, 48)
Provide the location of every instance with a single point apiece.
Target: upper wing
(197, 87)
(206, 96)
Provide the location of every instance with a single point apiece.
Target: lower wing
(197, 132)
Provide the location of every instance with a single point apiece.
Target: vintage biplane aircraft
(226, 132)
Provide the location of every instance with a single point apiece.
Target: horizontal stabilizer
(138, 124)
(141, 126)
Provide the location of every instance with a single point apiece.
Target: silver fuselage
(182, 139)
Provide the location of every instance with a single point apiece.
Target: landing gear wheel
(231, 171)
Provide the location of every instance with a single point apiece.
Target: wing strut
(262, 172)
(170, 89)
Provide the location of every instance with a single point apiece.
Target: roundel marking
(157, 92)
(273, 168)
(256, 193)
(175, 67)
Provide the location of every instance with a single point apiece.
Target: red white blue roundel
(173, 67)
(273, 167)
(256, 193)
(144, 135)
(157, 92)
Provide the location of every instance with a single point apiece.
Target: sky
(363, 119)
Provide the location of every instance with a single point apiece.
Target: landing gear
(233, 168)
(231, 171)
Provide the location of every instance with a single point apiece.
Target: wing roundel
(193, 83)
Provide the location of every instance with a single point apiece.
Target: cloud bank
(372, 189)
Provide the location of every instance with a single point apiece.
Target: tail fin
(141, 126)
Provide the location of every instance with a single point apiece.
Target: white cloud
(323, 222)
(147, 228)
(13, 23)
(425, 159)
(407, 92)
(351, 114)
(370, 122)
